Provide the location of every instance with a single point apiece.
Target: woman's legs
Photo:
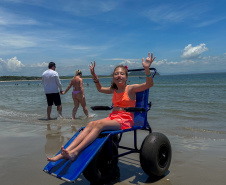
(79, 99)
(80, 137)
(74, 144)
(83, 103)
(97, 127)
(76, 105)
(85, 138)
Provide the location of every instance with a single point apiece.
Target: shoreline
(21, 81)
(178, 74)
(60, 79)
(41, 80)
(24, 148)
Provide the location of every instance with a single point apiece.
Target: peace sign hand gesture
(91, 67)
(147, 63)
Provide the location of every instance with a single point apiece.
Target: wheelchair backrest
(140, 118)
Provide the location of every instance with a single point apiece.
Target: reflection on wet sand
(55, 139)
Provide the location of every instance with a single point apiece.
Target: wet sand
(24, 148)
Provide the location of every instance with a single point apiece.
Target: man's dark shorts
(53, 98)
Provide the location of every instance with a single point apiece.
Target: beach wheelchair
(99, 161)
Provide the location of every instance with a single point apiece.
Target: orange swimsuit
(126, 119)
(122, 99)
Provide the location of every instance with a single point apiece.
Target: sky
(186, 36)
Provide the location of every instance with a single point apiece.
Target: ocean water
(183, 106)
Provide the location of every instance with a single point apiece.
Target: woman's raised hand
(147, 63)
(91, 67)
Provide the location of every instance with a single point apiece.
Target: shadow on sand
(130, 173)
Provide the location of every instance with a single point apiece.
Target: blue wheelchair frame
(140, 123)
(70, 170)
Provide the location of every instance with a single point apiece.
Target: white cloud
(14, 64)
(183, 62)
(202, 64)
(193, 52)
(128, 62)
(187, 62)
(44, 64)
(2, 63)
(198, 65)
(11, 65)
(159, 63)
(165, 62)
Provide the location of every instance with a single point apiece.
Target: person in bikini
(123, 96)
(78, 95)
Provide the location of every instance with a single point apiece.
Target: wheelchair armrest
(128, 109)
(135, 109)
(101, 108)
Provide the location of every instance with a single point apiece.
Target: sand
(24, 148)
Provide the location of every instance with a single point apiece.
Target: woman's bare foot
(62, 150)
(72, 156)
(55, 158)
(69, 155)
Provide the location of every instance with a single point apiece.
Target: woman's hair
(78, 72)
(113, 85)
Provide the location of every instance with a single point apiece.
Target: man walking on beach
(51, 82)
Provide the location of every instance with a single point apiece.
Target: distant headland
(18, 78)
(26, 78)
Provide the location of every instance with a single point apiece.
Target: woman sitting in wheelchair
(123, 96)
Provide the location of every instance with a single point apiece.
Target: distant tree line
(12, 78)
(89, 76)
(15, 78)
